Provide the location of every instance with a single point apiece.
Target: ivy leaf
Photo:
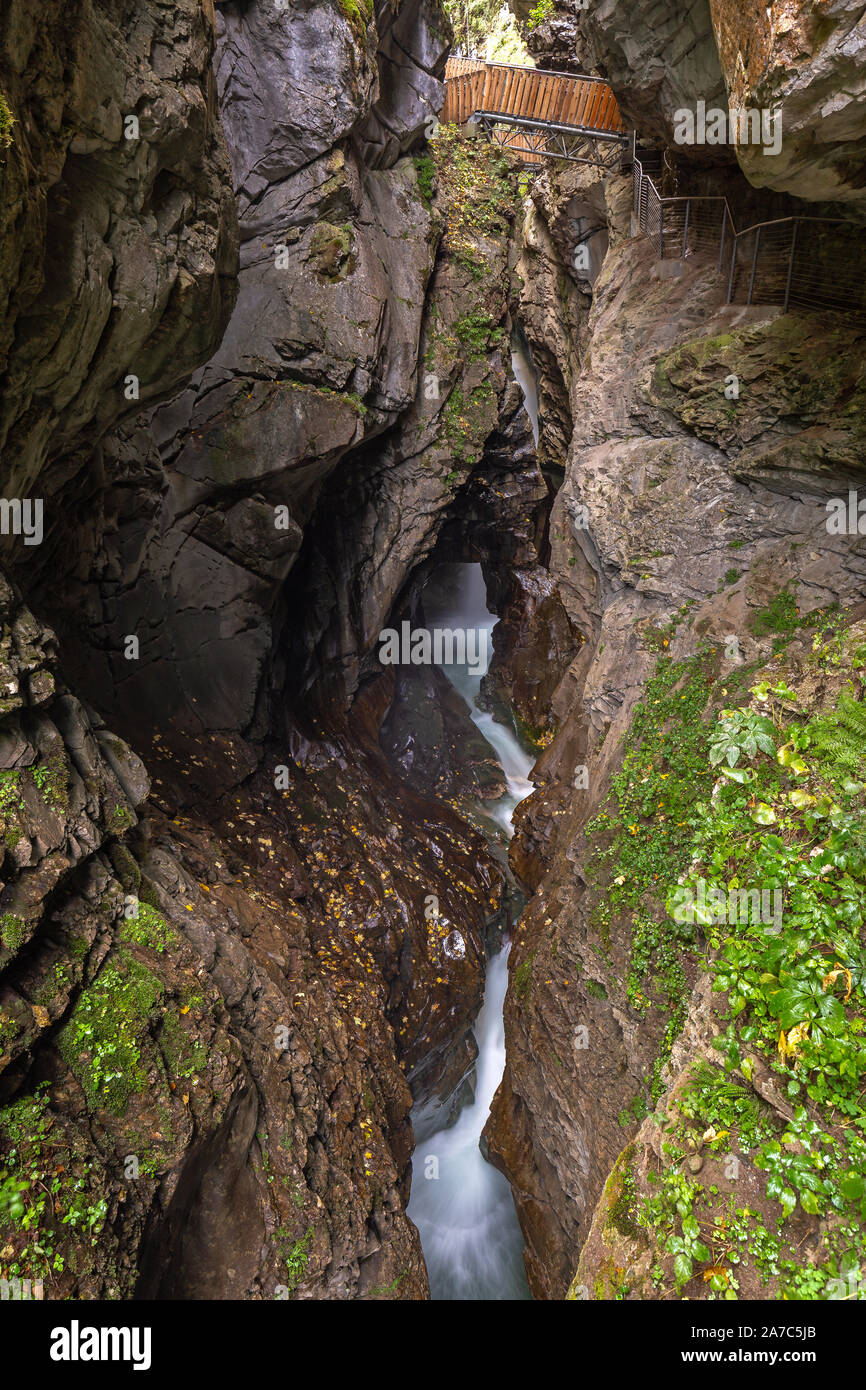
(739, 774)
(799, 798)
(788, 1200)
(852, 1187)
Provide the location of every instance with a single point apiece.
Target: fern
(712, 1099)
(853, 715)
(839, 739)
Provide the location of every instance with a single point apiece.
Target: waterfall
(524, 375)
(460, 1203)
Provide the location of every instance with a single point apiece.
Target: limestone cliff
(256, 345)
(213, 995)
(119, 230)
(689, 543)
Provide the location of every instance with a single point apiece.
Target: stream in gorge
(460, 1203)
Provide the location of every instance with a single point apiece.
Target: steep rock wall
(119, 254)
(806, 62)
(251, 939)
(683, 516)
(321, 352)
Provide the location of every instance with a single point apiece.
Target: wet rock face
(321, 353)
(119, 253)
(683, 515)
(414, 38)
(534, 645)
(383, 513)
(269, 52)
(806, 62)
(235, 980)
(657, 58)
(372, 69)
(208, 518)
(430, 738)
(552, 317)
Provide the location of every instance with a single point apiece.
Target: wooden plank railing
(556, 100)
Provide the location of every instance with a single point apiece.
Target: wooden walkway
(795, 261)
(537, 114)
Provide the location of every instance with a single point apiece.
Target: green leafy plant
(7, 121)
(102, 1040)
(781, 615)
(687, 1248)
(543, 10)
(739, 732)
(787, 813)
(297, 1258)
(425, 171)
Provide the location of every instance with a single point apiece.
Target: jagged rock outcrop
(804, 61)
(119, 230)
(230, 981)
(665, 537)
(549, 36)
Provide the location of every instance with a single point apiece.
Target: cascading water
(524, 375)
(460, 1203)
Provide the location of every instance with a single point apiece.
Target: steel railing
(798, 262)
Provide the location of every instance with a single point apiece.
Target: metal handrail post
(790, 267)
(754, 263)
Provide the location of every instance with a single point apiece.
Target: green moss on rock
(149, 928)
(13, 931)
(102, 1041)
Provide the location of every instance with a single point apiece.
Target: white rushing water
(465, 1213)
(524, 375)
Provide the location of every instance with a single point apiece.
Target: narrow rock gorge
(297, 377)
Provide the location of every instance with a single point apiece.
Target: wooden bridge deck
(534, 112)
(796, 261)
